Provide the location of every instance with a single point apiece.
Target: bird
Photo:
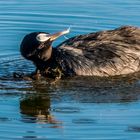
(102, 53)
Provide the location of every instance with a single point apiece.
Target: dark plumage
(104, 53)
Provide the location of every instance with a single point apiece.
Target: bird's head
(37, 45)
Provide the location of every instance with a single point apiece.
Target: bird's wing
(102, 54)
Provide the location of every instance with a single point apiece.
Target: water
(75, 108)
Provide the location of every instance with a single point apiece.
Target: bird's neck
(51, 62)
(50, 67)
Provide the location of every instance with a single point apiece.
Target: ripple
(4, 119)
(84, 121)
(65, 109)
(134, 129)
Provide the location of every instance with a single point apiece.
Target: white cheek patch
(42, 37)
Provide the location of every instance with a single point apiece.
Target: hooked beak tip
(66, 31)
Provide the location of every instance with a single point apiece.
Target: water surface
(74, 108)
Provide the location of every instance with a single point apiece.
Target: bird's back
(105, 53)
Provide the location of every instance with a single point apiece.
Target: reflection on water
(37, 108)
(74, 108)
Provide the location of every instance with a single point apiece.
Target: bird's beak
(58, 34)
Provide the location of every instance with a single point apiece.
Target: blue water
(75, 108)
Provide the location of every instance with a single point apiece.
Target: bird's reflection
(102, 90)
(36, 109)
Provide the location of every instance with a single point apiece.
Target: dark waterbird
(104, 53)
